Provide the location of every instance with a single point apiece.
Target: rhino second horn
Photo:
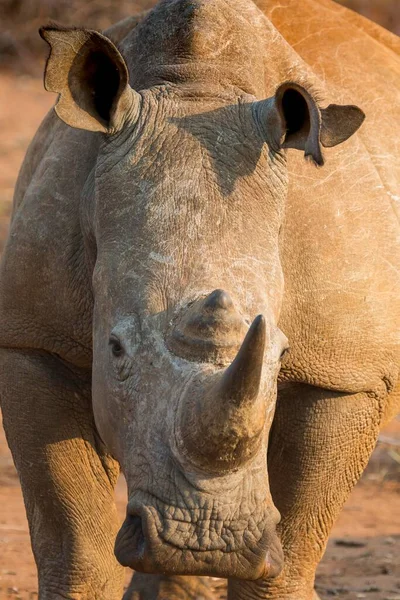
(218, 299)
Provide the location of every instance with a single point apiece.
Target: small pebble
(389, 541)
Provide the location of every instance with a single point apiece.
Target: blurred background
(384, 12)
(362, 560)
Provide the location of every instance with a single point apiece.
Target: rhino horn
(241, 381)
(223, 421)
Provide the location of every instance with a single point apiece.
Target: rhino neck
(216, 43)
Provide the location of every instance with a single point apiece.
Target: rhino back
(340, 252)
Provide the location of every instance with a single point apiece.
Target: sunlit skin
(172, 239)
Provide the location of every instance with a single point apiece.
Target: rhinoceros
(175, 232)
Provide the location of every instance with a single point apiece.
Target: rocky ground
(363, 556)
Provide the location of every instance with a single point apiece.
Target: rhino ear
(91, 77)
(339, 123)
(293, 119)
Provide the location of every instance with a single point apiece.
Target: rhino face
(182, 225)
(184, 378)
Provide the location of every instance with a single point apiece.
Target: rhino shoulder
(44, 281)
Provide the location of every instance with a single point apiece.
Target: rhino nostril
(218, 299)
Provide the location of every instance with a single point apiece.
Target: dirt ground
(363, 555)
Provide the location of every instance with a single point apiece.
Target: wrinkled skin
(149, 231)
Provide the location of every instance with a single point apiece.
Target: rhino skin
(168, 241)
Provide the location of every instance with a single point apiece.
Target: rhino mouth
(159, 538)
(130, 546)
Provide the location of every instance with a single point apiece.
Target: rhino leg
(320, 443)
(159, 587)
(66, 479)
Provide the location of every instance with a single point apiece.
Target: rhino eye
(117, 349)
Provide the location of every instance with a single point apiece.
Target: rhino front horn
(222, 420)
(241, 381)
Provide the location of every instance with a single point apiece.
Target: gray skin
(141, 291)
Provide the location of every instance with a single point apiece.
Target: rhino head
(181, 219)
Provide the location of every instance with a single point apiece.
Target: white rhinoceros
(168, 242)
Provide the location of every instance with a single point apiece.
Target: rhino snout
(157, 537)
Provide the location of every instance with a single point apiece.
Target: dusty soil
(362, 559)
